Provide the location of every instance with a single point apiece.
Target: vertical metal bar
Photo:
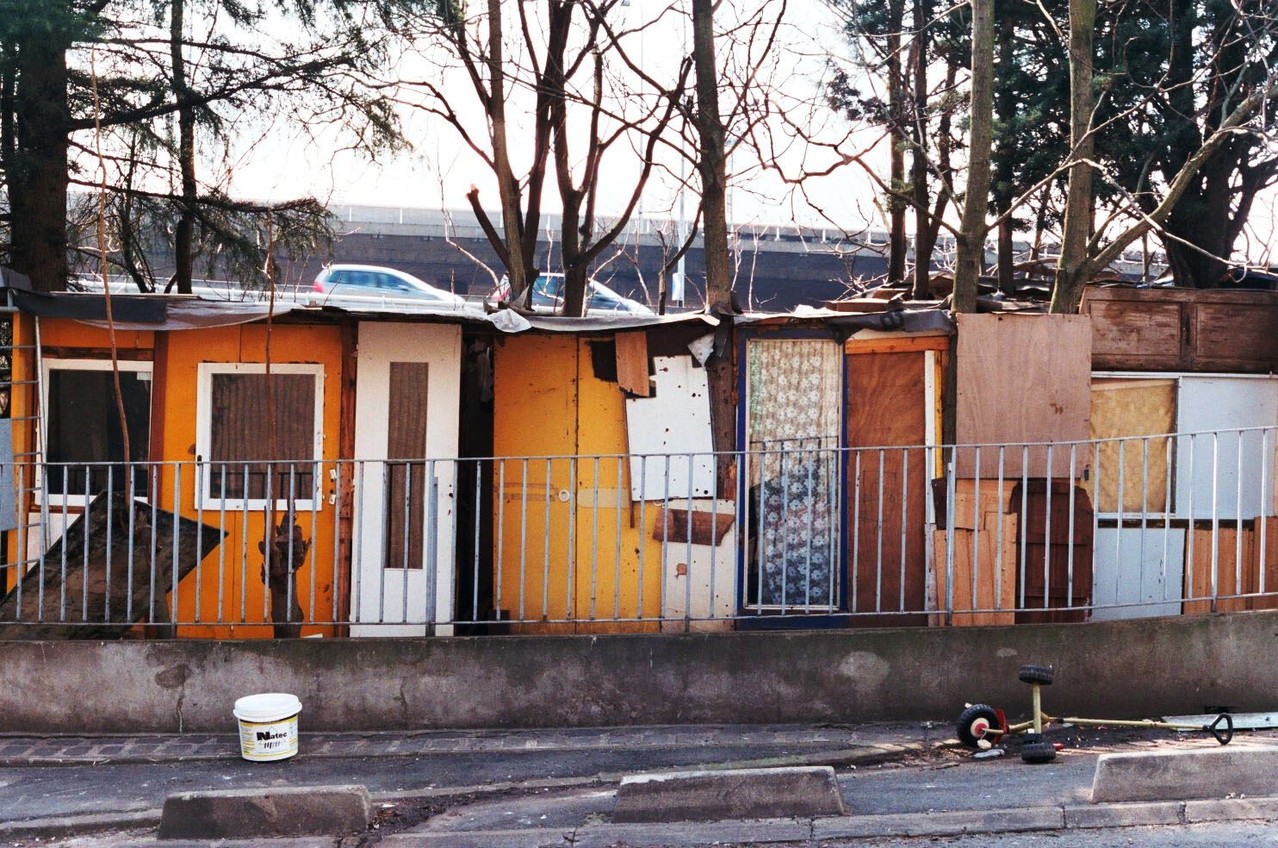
(317, 483)
(244, 524)
(198, 471)
(24, 538)
(1122, 508)
(339, 467)
(616, 557)
(594, 539)
(1192, 531)
(62, 589)
(643, 529)
(268, 518)
(950, 513)
(1167, 512)
(1047, 535)
(129, 504)
(154, 548)
(221, 549)
(687, 582)
(406, 510)
(1069, 560)
(1023, 554)
(545, 545)
(905, 516)
(1215, 519)
(878, 541)
(571, 607)
(1096, 503)
(110, 549)
(998, 539)
(359, 495)
(666, 510)
(177, 545)
(84, 553)
(1262, 511)
(501, 533)
(432, 544)
(807, 554)
(523, 533)
(477, 508)
(976, 526)
(1238, 517)
(855, 565)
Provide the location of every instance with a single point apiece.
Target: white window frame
(48, 366)
(307, 501)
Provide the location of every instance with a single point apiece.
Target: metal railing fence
(795, 533)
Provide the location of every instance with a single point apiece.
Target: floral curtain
(794, 400)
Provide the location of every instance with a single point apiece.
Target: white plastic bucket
(268, 726)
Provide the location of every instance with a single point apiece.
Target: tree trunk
(521, 276)
(711, 163)
(924, 226)
(974, 228)
(896, 107)
(183, 236)
(37, 174)
(1074, 267)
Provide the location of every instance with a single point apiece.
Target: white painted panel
(1219, 471)
(378, 593)
(1140, 566)
(700, 580)
(664, 430)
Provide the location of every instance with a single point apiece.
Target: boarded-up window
(84, 431)
(406, 466)
(1132, 416)
(260, 435)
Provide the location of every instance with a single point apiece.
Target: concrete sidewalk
(56, 786)
(539, 787)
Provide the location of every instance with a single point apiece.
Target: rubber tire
(969, 718)
(1036, 749)
(1042, 674)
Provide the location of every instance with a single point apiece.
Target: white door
(407, 404)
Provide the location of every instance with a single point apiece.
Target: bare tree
(555, 74)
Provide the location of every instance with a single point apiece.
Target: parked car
(373, 281)
(548, 296)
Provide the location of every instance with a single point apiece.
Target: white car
(548, 296)
(376, 282)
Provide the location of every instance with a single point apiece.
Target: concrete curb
(1202, 774)
(66, 826)
(266, 812)
(795, 791)
(762, 831)
(934, 824)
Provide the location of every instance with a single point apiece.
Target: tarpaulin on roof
(144, 312)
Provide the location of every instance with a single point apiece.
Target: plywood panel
(1132, 407)
(1265, 549)
(1228, 479)
(1235, 336)
(1141, 568)
(1135, 336)
(632, 364)
(887, 407)
(671, 443)
(1022, 379)
(991, 585)
(1224, 544)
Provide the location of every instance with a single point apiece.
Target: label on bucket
(268, 740)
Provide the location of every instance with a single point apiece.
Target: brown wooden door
(887, 486)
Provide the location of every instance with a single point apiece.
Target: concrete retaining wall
(1113, 669)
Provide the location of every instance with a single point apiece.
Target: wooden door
(888, 410)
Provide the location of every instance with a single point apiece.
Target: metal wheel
(1036, 749)
(1041, 674)
(974, 722)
